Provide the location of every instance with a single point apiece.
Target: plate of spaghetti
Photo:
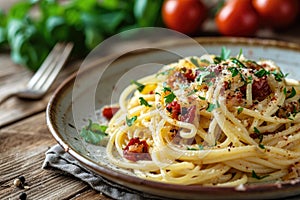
(220, 125)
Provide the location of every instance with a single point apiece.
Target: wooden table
(24, 139)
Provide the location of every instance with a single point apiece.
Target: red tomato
(108, 112)
(277, 13)
(237, 18)
(185, 16)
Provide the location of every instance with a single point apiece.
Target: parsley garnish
(240, 110)
(130, 121)
(195, 62)
(279, 75)
(284, 91)
(292, 94)
(200, 146)
(249, 80)
(170, 97)
(191, 149)
(139, 85)
(201, 76)
(234, 71)
(167, 89)
(144, 102)
(192, 92)
(261, 73)
(254, 175)
(240, 54)
(202, 98)
(259, 135)
(93, 133)
(211, 107)
(237, 62)
(225, 53)
(261, 146)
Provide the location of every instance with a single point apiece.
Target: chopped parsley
(211, 107)
(192, 92)
(234, 71)
(130, 121)
(254, 175)
(225, 53)
(165, 89)
(195, 62)
(262, 72)
(292, 94)
(200, 147)
(144, 102)
(259, 135)
(139, 85)
(240, 110)
(202, 98)
(261, 146)
(249, 80)
(93, 133)
(240, 54)
(279, 75)
(238, 63)
(201, 76)
(170, 97)
(217, 60)
(191, 149)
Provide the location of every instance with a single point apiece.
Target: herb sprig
(93, 133)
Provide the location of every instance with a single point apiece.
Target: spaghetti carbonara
(222, 121)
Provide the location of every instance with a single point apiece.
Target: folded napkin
(57, 158)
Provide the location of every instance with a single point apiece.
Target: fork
(41, 81)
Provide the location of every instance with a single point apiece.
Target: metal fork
(44, 77)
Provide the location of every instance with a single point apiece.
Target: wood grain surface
(24, 139)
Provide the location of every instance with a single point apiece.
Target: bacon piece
(108, 112)
(188, 74)
(136, 149)
(189, 116)
(260, 88)
(174, 109)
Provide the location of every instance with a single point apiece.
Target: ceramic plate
(61, 118)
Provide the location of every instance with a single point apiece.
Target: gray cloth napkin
(57, 158)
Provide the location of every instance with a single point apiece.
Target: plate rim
(153, 185)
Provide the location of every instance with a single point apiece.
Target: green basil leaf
(93, 133)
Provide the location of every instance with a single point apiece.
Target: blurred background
(30, 28)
